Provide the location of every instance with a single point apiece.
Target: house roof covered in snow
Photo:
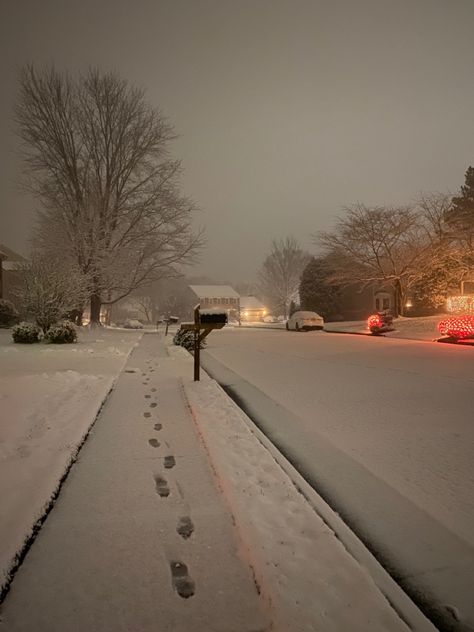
(9, 257)
(250, 302)
(214, 291)
(7, 254)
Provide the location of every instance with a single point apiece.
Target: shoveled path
(140, 538)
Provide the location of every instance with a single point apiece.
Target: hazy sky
(287, 110)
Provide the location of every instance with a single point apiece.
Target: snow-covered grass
(421, 328)
(417, 328)
(49, 397)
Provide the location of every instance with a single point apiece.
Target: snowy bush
(26, 333)
(8, 314)
(184, 338)
(50, 289)
(62, 333)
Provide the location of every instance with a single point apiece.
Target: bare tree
(245, 289)
(280, 274)
(146, 306)
(165, 297)
(50, 290)
(448, 262)
(434, 207)
(392, 246)
(96, 156)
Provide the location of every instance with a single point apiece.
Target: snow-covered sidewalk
(139, 539)
(49, 397)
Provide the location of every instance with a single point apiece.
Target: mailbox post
(202, 326)
(170, 320)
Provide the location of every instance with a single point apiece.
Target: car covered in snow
(270, 319)
(304, 321)
(132, 323)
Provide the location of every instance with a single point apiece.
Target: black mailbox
(213, 317)
(173, 319)
(204, 322)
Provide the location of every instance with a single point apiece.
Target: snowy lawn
(49, 397)
(422, 328)
(418, 328)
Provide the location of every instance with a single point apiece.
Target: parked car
(132, 323)
(270, 319)
(305, 321)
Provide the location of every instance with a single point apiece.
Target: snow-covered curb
(308, 577)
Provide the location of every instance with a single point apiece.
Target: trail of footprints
(180, 578)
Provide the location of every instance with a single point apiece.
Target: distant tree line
(419, 251)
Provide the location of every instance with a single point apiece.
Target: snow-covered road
(384, 428)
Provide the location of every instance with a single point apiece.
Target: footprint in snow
(185, 527)
(169, 462)
(182, 582)
(162, 486)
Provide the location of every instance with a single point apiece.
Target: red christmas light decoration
(374, 321)
(459, 327)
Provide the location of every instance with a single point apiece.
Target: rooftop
(214, 291)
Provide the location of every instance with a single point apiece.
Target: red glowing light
(457, 327)
(374, 321)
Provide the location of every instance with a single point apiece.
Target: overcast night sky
(287, 110)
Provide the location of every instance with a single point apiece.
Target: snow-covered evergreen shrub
(26, 333)
(184, 338)
(8, 313)
(62, 333)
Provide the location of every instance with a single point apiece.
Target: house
(358, 303)
(251, 309)
(218, 297)
(9, 275)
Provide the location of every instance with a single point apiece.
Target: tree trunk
(108, 315)
(399, 302)
(96, 304)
